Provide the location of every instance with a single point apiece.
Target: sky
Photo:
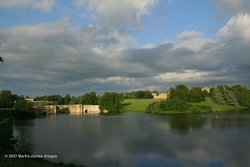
(78, 46)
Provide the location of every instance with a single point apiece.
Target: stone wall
(73, 109)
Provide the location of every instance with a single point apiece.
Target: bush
(24, 109)
(174, 104)
(111, 102)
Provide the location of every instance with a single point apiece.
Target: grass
(140, 105)
(137, 105)
(217, 107)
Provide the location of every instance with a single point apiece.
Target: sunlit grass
(217, 107)
(135, 105)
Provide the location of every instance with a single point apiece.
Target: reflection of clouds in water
(139, 140)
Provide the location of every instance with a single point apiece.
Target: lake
(140, 139)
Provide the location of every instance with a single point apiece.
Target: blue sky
(165, 21)
(59, 46)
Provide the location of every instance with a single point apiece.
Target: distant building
(206, 88)
(29, 99)
(160, 95)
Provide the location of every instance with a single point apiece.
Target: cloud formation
(234, 6)
(59, 57)
(43, 5)
(113, 15)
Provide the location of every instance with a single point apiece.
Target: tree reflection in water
(24, 136)
(7, 141)
(186, 123)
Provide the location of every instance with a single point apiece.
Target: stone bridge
(73, 109)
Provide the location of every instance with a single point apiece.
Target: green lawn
(136, 105)
(217, 107)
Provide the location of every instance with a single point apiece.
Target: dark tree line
(8, 100)
(138, 95)
(235, 95)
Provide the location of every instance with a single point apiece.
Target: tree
(217, 95)
(74, 100)
(224, 94)
(180, 92)
(24, 108)
(139, 95)
(67, 99)
(89, 98)
(196, 95)
(111, 102)
(230, 97)
(242, 94)
(6, 99)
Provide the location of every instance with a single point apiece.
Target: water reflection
(23, 132)
(138, 139)
(186, 123)
(7, 141)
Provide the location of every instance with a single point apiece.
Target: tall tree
(89, 98)
(111, 102)
(67, 99)
(6, 99)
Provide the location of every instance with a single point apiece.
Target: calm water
(139, 139)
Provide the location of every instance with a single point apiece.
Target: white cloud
(234, 6)
(43, 5)
(187, 75)
(192, 40)
(15, 3)
(58, 56)
(79, 3)
(115, 14)
(237, 27)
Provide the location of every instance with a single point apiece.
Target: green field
(140, 105)
(217, 107)
(137, 105)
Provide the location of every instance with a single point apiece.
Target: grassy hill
(217, 107)
(140, 105)
(137, 104)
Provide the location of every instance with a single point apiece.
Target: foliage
(74, 100)
(53, 99)
(242, 94)
(180, 92)
(216, 106)
(139, 95)
(223, 94)
(67, 99)
(196, 95)
(89, 98)
(7, 99)
(111, 102)
(24, 108)
(177, 101)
